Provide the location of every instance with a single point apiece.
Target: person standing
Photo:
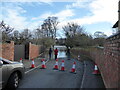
(68, 53)
(50, 53)
(56, 53)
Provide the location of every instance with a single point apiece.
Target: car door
(3, 74)
(0, 76)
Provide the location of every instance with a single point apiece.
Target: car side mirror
(1, 63)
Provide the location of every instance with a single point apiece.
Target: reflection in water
(61, 51)
(61, 54)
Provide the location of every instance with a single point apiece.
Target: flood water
(61, 54)
(61, 51)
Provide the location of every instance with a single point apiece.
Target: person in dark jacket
(56, 53)
(68, 53)
(50, 53)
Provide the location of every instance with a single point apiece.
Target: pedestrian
(50, 53)
(68, 53)
(56, 53)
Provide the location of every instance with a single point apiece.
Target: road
(49, 78)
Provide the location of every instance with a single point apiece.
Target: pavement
(27, 63)
(37, 62)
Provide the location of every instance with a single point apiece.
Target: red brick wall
(33, 51)
(108, 61)
(7, 50)
(112, 57)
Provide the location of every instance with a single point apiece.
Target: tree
(6, 31)
(71, 29)
(25, 36)
(49, 26)
(41, 32)
(99, 34)
(38, 35)
(99, 38)
(75, 35)
(15, 36)
(46, 33)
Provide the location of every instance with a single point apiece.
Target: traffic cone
(96, 71)
(56, 65)
(78, 57)
(62, 66)
(43, 64)
(20, 60)
(33, 64)
(73, 68)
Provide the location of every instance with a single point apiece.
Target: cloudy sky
(93, 15)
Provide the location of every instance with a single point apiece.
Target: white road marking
(83, 79)
(35, 67)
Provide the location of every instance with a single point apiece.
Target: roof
(115, 25)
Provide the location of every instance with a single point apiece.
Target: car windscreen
(5, 61)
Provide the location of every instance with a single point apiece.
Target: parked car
(10, 73)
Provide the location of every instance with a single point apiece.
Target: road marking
(83, 79)
(35, 67)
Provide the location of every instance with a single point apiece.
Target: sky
(93, 15)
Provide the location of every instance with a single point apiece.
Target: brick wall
(33, 51)
(112, 57)
(7, 50)
(108, 61)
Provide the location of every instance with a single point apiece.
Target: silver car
(10, 73)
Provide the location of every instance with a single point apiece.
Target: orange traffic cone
(73, 68)
(96, 71)
(62, 66)
(20, 60)
(32, 66)
(43, 64)
(56, 65)
(78, 57)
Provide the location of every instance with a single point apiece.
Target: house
(117, 24)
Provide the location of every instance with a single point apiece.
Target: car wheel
(13, 81)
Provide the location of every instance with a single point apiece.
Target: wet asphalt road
(91, 80)
(49, 78)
